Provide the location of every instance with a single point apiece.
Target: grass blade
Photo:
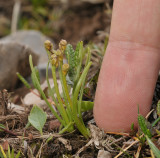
(3, 153)
(33, 78)
(143, 126)
(158, 108)
(18, 154)
(82, 86)
(86, 106)
(155, 150)
(49, 86)
(23, 80)
(78, 86)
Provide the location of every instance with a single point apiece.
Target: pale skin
(130, 66)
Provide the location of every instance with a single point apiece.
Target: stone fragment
(35, 41)
(14, 58)
(53, 125)
(31, 39)
(31, 98)
(104, 154)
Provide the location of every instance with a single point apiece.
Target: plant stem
(61, 107)
(9, 132)
(65, 86)
(156, 121)
(80, 125)
(49, 86)
(80, 100)
(78, 86)
(83, 84)
(42, 93)
(38, 95)
(65, 90)
(64, 95)
(3, 153)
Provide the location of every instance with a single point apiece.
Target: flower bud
(53, 56)
(65, 68)
(62, 45)
(53, 51)
(48, 45)
(58, 52)
(63, 42)
(60, 58)
(54, 60)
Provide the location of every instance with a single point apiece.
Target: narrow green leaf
(18, 154)
(64, 91)
(23, 80)
(1, 156)
(86, 106)
(88, 56)
(82, 85)
(143, 125)
(51, 90)
(78, 121)
(156, 121)
(132, 126)
(79, 65)
(105, 44)
(36, 72)
(65, 129)
(155, 150)
(69, 113)
(3, 153)
(158, 108)
(49, 139)
(78, 86)
(2, 127)
(9, 152)
(12, 153)
(158, 132)
(37, 118)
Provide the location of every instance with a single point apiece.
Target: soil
(32, 144)
(83, 21)
(87, 22)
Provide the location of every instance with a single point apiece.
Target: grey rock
(14, 58)
(17, 47)
(31, 98)
(32, 39)
(104, 154)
